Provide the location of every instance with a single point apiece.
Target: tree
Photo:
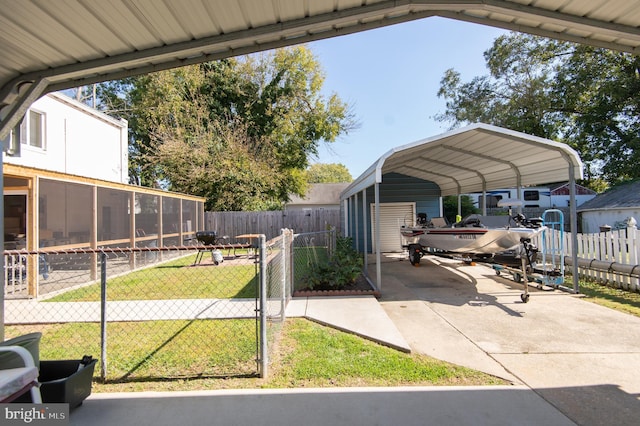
(118, 98)
(600, 91)
(238, 131)
(583, 96)
(328, 173)
(450, 207)
(514, 94)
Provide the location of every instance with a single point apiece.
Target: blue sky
(391, 78)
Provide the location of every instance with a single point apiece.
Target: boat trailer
(528, 272)
(550, 274)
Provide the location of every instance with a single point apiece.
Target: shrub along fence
(181, 313)
(310, 250)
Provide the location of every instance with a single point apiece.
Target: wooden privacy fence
(271, 223)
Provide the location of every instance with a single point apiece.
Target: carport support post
(376, 191)
(574, 228)
(365, 250)
(262, 240)
(484, 200)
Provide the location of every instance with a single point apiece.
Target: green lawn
(177, 279)
(155, 350)
(172, 355)
(311, 355)
(614, 298)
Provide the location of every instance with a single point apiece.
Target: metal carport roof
(476, 158)
(52, 45)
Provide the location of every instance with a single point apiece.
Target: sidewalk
(35, 312)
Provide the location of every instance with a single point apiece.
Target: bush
(341, 270)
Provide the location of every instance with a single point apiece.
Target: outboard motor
(520, 220)
(529, 251)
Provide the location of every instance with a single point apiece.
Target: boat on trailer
(474, 237)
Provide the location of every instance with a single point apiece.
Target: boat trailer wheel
(524, 297)
(415, 253)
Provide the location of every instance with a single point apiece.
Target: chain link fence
(151, 313)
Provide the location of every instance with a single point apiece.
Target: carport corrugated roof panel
(77, 42)
(476, 158)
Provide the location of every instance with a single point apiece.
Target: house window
(36, 127)
(35, 135)
(29, 132)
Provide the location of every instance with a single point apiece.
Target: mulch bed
(360, 288)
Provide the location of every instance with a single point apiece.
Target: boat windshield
(476, 220)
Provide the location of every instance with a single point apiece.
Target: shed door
(392, 217)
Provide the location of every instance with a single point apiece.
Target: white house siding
(594, 219)
(78, 140)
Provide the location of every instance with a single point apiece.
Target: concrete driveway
(580, 357)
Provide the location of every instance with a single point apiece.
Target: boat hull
(468, 240)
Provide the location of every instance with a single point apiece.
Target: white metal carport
(476, 158)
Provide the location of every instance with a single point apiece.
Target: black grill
(208, 238)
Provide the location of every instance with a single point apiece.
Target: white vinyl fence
(611, 257)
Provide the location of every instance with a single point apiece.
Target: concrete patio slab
(413, 406)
